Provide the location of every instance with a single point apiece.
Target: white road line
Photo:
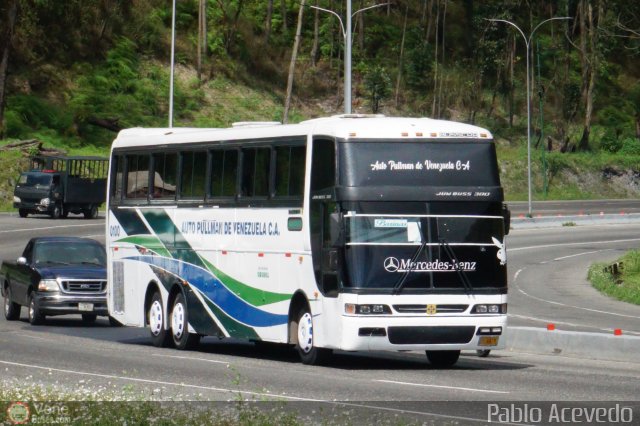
(240, 392)
(552, 302)
(439, 386)
(192, 359)
(579, 254)
(635, 333)
(49, 227)
(158, 382)
(571, 244)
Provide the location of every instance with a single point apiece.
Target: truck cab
(57, 186)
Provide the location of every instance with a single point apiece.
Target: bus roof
(349, 126)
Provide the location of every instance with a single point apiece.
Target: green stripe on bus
(249, 294)
(150, 242)
(233, 327)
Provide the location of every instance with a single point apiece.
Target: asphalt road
(548, 284)
(574, 207)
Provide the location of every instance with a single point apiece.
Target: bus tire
(483, 353)
(114, 322)
(443, 359)
(309, 354)
(23, 212)
(182, 339)
(156, 320)
(11, 309)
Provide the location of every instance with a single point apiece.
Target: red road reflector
(260, 254)
(224, 252)
(287, 254)
(617, 332)
(551, 327)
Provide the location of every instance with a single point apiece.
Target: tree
(378, 85)
(292, 65)
(9, 17)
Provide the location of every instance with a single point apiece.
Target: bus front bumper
(415, 333)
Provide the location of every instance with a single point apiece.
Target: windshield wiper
(55, 262)
(458, 268)
(412, 265)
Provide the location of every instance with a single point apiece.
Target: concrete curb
(556, 221)
(573, 344)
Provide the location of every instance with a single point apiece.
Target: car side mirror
(21, 260)
(336, 230)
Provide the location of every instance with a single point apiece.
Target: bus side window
(256, 164)
(290, 165)
(224, 172)
(137, 176)
(165, 174)
(194, 169)
(323, 165)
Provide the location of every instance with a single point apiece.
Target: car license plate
(488, 341)
(85, 307)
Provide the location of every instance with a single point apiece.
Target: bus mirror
(506, 213)
(336, 230)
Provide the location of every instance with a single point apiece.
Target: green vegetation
(625, 285)
(78, 71)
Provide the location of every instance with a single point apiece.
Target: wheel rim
(177, 320)
(32, 308)
(6, 304)
(305, 333)
(155, 318)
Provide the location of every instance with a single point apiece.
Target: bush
(630, 146)
(610, 143)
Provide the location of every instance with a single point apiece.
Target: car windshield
(69, 253)
(35, 179)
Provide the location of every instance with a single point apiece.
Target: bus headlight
(373, 309)
(490, 309)
(16, 199)
(48, 285)
(44, 202)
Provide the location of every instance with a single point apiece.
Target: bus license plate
(85, 307)
(488, 341)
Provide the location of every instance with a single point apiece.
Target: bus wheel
(155, 317)
(483, 353)
(309, 354)
(23, 212)
(443, 359)
(182, 339)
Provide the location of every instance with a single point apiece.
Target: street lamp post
(173, 49)
(346, 34)
(527, 42)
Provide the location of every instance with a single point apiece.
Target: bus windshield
(426, 252)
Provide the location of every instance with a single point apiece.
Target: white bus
(351, 232)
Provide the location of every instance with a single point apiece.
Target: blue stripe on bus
(216, 291)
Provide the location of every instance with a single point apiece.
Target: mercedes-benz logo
(391, 264)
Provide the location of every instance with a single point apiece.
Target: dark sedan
(56, 276)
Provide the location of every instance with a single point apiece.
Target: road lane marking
(241, 392)
(630, 240)
(635, 333)
(552, 302)
(579, 254)
(191, 358)
(439, 386)
(49, 227)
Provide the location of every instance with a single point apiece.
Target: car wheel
(89, 318)
(91, 213)
(309, 354)
(182, 339)
(36, 317)
(156, 320)
(23, 212)
(57, 212)
(11, 309)
(443, 359)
